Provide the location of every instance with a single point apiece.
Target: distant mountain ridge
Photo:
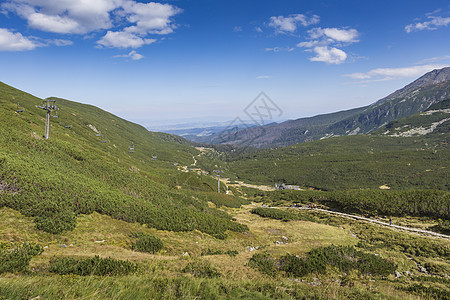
(414, 98)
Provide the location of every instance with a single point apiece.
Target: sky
(206, 60)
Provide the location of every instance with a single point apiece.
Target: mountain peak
(430, 78)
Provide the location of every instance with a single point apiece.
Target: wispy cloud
(237, 29)
(433, 59)
(60, 42)
(290, 23)
(263, 77)
(382, 74)
(432, 22)
(133, 55)
(279, 49)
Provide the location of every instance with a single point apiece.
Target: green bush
(147, 243)
(60, 221)
(91, 266)
(343, 258)
(283, 215)
(201, 269)
(264, 263)
(16, 258)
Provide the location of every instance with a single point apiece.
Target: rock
(407, 273)
(422, 269)
(397, 274)
(185, 254)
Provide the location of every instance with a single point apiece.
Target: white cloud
(55, 24)
(329, 55)
(342, 35)
(10, 41)
(394, 73)
(263, 77)
(121, 39)
(289, 24)
(331, 35)
(258, 29)
(133, 55)
(127, 20)
(65, 16)
(150, 17)
(322, 40)
(434, 23)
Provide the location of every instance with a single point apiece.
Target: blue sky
(169, 61)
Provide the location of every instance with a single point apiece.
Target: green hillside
(350, 162)
(87, 166)
(84, 217)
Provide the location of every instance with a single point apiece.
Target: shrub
(201, 269)
(16, 258)
(91, 266)
(61, 221)
(340, 257)
(147, 243)
(264, 263)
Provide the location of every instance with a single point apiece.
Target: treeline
(421, 203)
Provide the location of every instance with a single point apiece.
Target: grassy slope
(75, 172)
(161, 275)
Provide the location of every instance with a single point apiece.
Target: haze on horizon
(152, 62)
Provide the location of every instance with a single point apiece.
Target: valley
(106, 209)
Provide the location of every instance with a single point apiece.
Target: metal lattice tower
(131, 148)
(218, 179)
(49, 106)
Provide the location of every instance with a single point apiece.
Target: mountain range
(414, 98)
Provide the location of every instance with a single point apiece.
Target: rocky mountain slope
(414, 98)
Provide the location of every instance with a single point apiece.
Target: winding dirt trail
(396, 227)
